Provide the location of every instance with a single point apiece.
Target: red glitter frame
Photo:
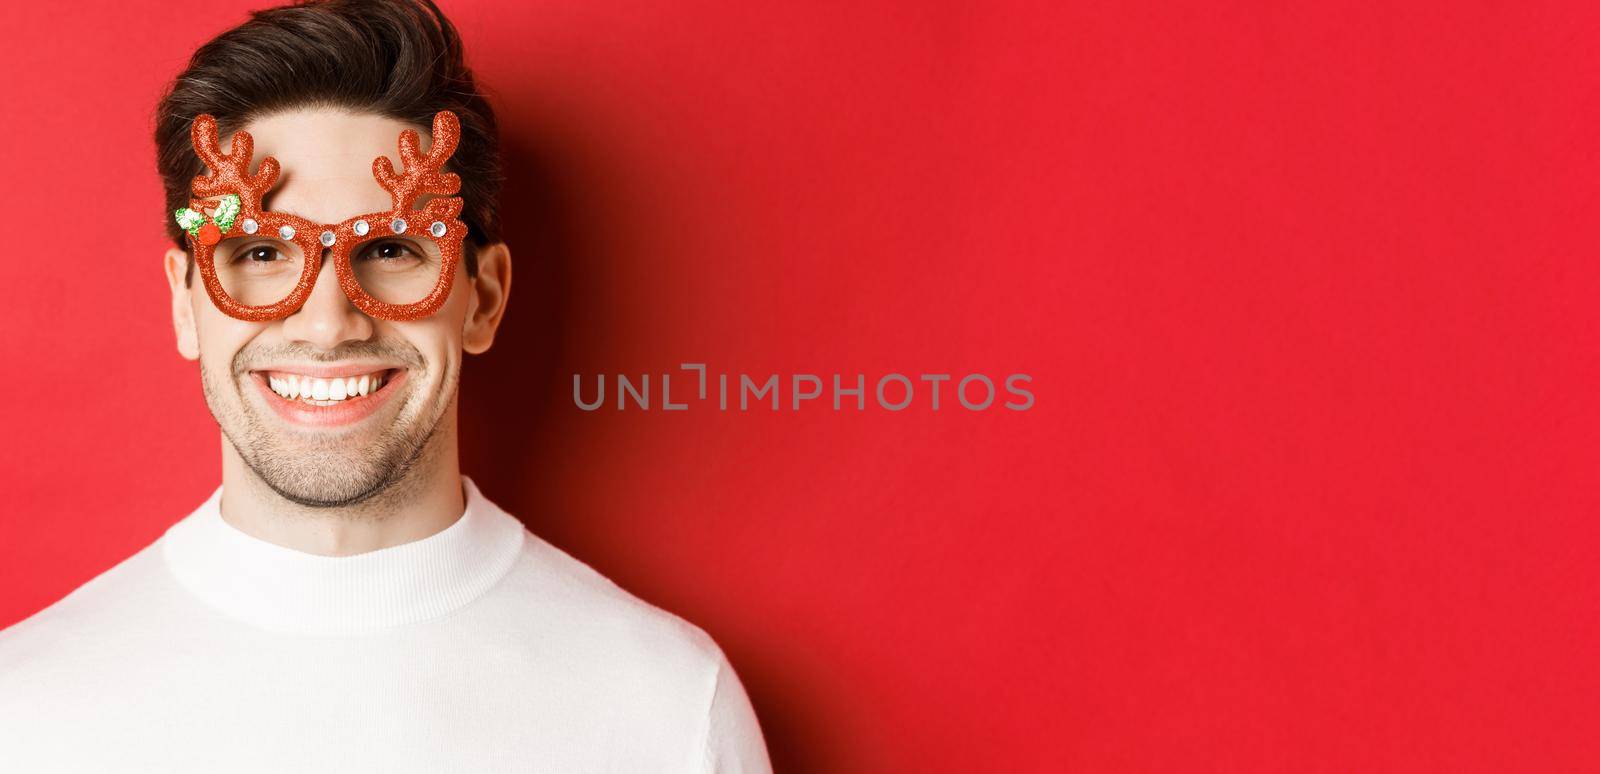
(421, 174)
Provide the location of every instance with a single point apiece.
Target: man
(347, 600)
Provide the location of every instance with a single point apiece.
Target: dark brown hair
(401, 59)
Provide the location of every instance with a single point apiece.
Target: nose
(327, 318)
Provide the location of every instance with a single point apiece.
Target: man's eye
(388, 251)
(258, 254)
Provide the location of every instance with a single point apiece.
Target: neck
(422, 502)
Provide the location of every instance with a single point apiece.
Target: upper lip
(326, 370)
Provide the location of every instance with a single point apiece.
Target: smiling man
(346, 600)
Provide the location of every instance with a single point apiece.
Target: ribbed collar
(279, 588)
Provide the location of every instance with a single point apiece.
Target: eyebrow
(270, 197)
(267, 202)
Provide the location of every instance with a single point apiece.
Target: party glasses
(260, 265)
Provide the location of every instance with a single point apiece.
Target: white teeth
(296, 386)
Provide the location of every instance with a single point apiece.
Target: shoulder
(624, 669)
(586, 606)
(550, 598)
(630, 661)
(92, 601)
(94, 621)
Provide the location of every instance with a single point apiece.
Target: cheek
(447, 324)
(455, 304)
(438, 339)
(220, 337)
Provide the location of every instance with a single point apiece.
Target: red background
(1307, 296)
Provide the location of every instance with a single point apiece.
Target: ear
(176, 264)
(487, 301)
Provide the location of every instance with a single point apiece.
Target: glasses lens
(397, 269)
(257, 271)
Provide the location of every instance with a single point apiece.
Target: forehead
(325, 155)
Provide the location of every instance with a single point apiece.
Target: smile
(319, 391)
(327, 396)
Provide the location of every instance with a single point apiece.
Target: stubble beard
(324, 472)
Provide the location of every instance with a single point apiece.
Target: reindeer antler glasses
(256, 265)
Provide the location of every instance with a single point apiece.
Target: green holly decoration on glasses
(209, 233)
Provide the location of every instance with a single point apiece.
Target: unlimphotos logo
(892, 391)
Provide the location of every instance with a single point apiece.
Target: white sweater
(480, 648)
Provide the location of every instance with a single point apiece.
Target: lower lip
(346, 412)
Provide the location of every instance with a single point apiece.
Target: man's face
(332, 445)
